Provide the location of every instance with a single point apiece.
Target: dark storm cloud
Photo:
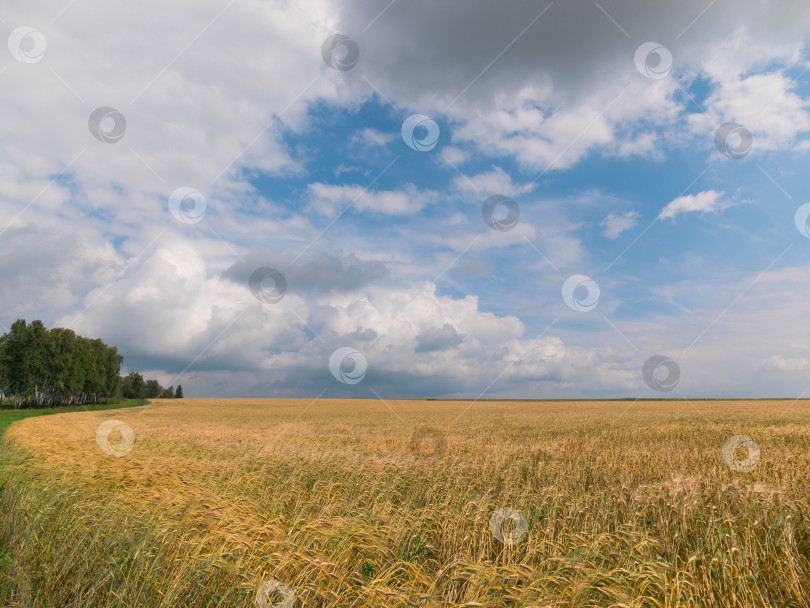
(418, 48)
(317, 273)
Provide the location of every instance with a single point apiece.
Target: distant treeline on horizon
(42, 367)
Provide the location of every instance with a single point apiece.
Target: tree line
(42, 367)
(133, 386)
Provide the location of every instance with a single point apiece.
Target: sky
(406, 199)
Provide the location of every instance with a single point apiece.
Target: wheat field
(361, 503)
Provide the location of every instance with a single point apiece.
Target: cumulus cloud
(331, 199)
(750, 85)
(159, 87)
(314, 272)
(372, 138)
(765, 104)
(455, 155)
(440, 338)
(709, 201)
(615, 223)
(478, 65)
(484, 185)
(182, 318)
(544, 134)
(43, 270)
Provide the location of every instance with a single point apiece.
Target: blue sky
(302, 168)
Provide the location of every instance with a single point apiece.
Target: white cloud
(615, 223)
(372, 138)
(544, 132)
(201, 103)
(455, 155)
(709, 201)
(421, 341)
(750, 85)
(42, 269)
(778, 363)
(329, 199)
(465, 241)
(763, 103)
(723, 330)
(484, 185)
(586, 95)
(341, 169)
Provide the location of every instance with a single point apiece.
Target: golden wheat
(365, 503)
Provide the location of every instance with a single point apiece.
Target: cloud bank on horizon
(415, 199)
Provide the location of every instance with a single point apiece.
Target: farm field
(366, 503)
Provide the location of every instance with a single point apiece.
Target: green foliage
(9, 416)
(178, 394)
(153, 389)
(42, 368)
(133, 386)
